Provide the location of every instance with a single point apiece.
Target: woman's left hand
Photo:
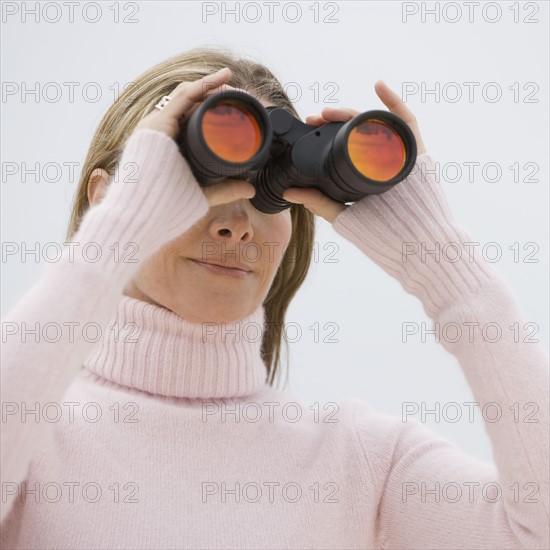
(316, 201)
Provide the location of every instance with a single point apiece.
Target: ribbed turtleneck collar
(152, 349)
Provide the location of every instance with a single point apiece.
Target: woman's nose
(232, 224)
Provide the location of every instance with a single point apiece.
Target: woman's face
(229, 233)
(233, 232)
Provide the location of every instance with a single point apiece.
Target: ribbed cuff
(409, 232)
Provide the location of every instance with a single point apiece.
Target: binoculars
(232, 135)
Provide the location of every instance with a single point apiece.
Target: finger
(393, 102)
(332, 114)
(186, 94)
(315, 120)
(338, 114)
(396, 106)
(315, 201)
(228, 191)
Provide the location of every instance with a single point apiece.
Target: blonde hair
(138, 100)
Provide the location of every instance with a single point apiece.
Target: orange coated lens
(231, 132)
(376, 150)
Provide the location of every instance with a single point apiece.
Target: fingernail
(222, 70)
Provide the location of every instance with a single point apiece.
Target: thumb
(315, 201)
(228, 191)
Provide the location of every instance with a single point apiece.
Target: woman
(165, 431)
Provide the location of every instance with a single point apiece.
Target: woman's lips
(219, 270)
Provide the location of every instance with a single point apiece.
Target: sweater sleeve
(432, 495)
(153, 198)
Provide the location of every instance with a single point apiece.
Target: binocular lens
(376, 150)
(231, 132)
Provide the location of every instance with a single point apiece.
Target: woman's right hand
(185, 98)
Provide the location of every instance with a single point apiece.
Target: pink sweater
(126, 426)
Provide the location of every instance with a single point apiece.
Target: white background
(366, 42)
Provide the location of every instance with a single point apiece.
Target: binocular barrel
(232, 135)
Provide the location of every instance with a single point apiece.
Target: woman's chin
(210, 311)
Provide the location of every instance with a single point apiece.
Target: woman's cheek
(281, 232)
(283, 226)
